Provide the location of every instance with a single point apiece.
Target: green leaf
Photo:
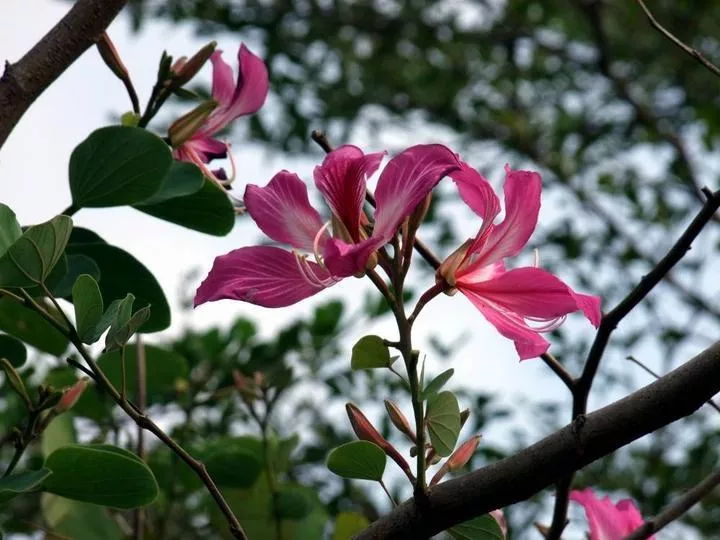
(118, 165)
(77, 520)
(443, 422)
(370, 352)
(120, 274)
(291, 503)
(233, 462)
(436, 384)
(12, 349)
(163, 368)
(29, 327)
(77, 265)
(19, 483)
(479, 528)
(208, 210)
(348, 524)
(88, 304)
(362, 460)
(32, 257)
(182, 179)
(60, 432)
(10, 229)
(92, 473)
(125, 324)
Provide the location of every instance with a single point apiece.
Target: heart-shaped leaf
(443, 422)
(208, 210)
(479, 528)
(436, 384)
(182, 179)
(370, 352)
(88, 304)
(32, 257)
(362, 460)
(118, 165)
(17, 484)
(9, 228)
(100, 475)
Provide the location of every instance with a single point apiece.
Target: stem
(141, 398)
(141, 419)
(392, 500)
(123, 388)
(23, 442)
(70, 210)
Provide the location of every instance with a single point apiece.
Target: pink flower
(608, 521)
(234, 99)
(274, 277)
(510, 298)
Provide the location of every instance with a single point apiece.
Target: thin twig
(677, 508)
(697, 55)
(141, 399)
(559, 370)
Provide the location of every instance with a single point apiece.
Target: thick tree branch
(23, 81)
(521, 476)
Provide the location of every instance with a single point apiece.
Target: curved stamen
(549, 326)
(316, 242)
(310, 275)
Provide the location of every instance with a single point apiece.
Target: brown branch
(697, 55)
(679, 507)
(519, 477)
(141, 399)
(23, 81)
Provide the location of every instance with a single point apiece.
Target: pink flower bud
(111, 57)
(184, 70)
(185, 127)
(71, 395)
(399, 421)
(366, 432)
(458, 459)
(501, 521)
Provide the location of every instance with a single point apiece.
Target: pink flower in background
(510, 298)
(608, 521)
(235, 98)
(274, 277)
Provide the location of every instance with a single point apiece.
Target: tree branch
(23, 81)
(521, 476)
(679, 507)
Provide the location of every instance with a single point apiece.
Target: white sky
(33, 182)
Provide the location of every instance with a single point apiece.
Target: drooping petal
(608, 521)
(262, 275)
(522, 207)
(533, 292)
(528, 342)
(406, 180)
(477, 192)
(283, 212)
(344, 260)
(208, 148)
(341, 179)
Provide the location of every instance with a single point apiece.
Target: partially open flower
(608, 521)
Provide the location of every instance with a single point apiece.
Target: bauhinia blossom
(274, 277)
(510, 299)
(234, 99)
(608, 521)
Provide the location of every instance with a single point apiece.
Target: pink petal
(283, 212)
(345, 260)
(341, 179)
(528, 342)
(406, 180)
(262, 275)
(248, 94)
(223, 84)
(606, 521)
(477, 193)
(522, 206)
(207, 148)
(533, 292)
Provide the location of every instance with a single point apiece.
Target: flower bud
(183, 70)
(399, 421)
(501, 521)
(449, 266)
(457, 459)
(185, 127)
(110, 56)
(14, 379)
(245, 386)
(366, 432)
(71, 395)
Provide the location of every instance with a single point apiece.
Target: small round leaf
(443, 422)
(362, 460)
(370, 352)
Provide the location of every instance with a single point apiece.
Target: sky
(33, 182)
